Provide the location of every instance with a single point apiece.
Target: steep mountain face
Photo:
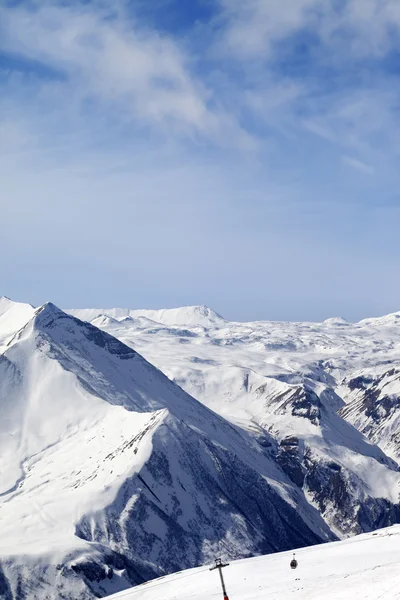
(338, 470)
(373, 405)
(111, 474)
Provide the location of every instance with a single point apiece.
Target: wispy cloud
(367, 28)
(107, 59)
(358, 165)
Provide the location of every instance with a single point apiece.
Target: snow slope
(364, 567)
(112, 475)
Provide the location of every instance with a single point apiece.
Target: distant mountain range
(145, 442)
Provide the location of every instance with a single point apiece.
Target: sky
(242, 155)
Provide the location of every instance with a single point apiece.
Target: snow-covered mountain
(364, 567)
(289, 379)
(112, 474)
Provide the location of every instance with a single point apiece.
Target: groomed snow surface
(366, 567)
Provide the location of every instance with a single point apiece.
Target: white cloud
(142, 74)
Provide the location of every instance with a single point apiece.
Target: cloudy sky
(243, 155)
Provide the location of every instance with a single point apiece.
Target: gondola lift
(293, 562)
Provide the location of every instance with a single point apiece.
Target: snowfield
(143, 443)
(365, 567)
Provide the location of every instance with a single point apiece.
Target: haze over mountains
(146, 442)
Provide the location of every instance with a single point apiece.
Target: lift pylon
(220, 565)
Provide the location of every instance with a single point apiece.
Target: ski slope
(366, 567)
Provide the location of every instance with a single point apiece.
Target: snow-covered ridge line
(186, 315)
(191, 315)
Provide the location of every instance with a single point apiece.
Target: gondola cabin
(293, 562)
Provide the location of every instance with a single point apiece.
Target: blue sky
(238, 154)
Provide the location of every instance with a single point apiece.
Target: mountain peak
(203, 309)
(46, 314)
(47, 308)
(64, 328)
(336, 321)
